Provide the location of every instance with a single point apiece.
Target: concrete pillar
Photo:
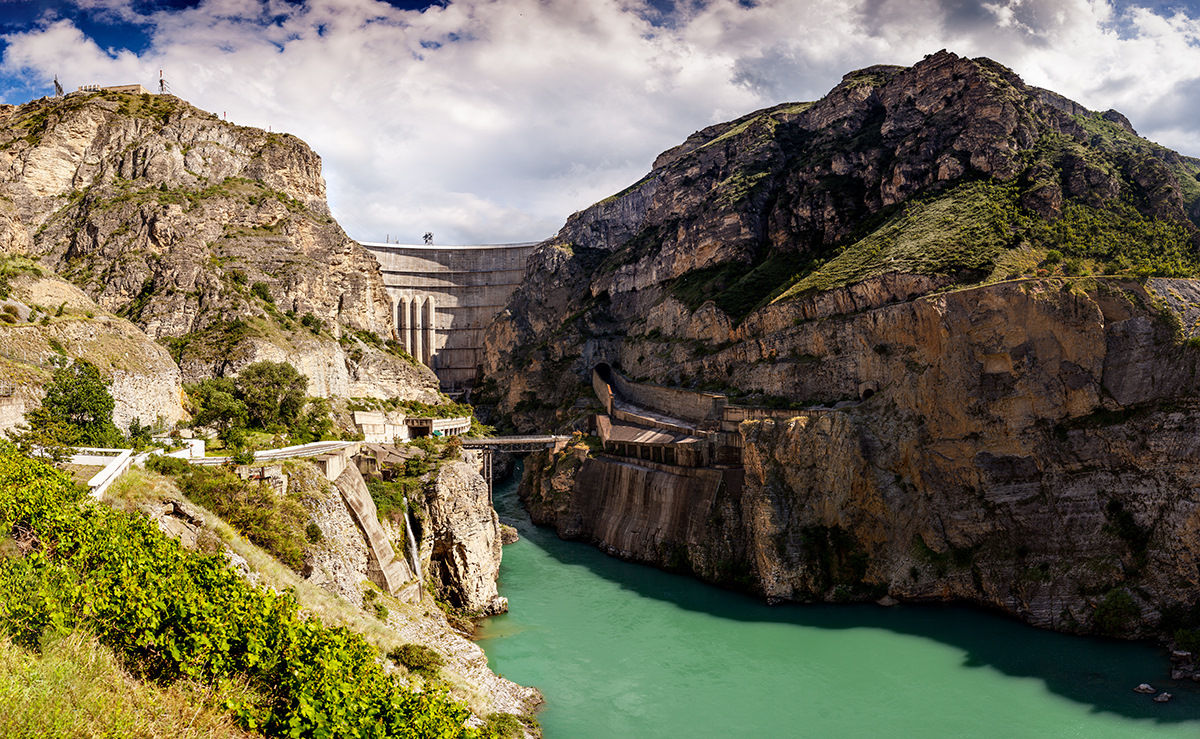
(417, 334)
(429, 336)
(406, 323)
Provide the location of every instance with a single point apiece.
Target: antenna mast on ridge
(163, 87)
(58, 91)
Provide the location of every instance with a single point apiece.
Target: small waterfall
(414, 556)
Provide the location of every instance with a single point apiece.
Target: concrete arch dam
(443, 297)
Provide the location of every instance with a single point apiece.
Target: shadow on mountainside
(1095, 672)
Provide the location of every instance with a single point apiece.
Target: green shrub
(274, 522)
(217, 404)
(1115, 613)
(1053, 256)
(75, 411)
(418, 658)
(263, 292)
(314, 423)
(139, 435)
(391, 496)
(504, 726)
(274, 393)
(381, 611)
(312, 533)
(312, 323)
(1188, 639)
(165, 465)
(173, 614)
(242, 456)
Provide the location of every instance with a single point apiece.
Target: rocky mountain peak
(213, 237)
(946, 169)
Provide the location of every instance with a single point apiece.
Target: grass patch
(72, 686)
(963, 229)
(736, 288)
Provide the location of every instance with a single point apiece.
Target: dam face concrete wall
(443, 297)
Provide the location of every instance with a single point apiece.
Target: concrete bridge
(443, 297)
(513, 445)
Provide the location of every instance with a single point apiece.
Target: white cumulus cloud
(492, 120)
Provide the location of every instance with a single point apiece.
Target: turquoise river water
(624, 650)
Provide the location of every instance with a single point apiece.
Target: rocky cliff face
(214, 235)
(461, 535)
(926, 266)
(952, 171)
(1026, 446)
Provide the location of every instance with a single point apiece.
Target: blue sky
(493, 120)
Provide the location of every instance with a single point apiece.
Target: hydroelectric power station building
(443, 297)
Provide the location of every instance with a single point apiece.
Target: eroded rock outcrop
(1025, 445)
(462, 537)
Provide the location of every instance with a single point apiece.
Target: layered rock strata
(1025, 445)
(461, 534)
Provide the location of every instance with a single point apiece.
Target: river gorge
(621, 649)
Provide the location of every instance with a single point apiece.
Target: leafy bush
(217, 404)
(312, 323)
(312, 533)
(1115, 613)
(418, 658)
(139, 435)
(274, 522)
(263, 292)
(314, 423)
(175, 614)
(1188, 639)
(165, 465)
(75, 411)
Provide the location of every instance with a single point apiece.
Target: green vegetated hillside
(81, 582)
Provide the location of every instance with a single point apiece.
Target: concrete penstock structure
(443, 297)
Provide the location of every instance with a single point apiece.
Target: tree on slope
(274, 393)
(76, 410)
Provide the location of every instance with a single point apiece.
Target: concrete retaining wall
(687, 405)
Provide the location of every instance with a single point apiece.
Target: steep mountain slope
(49, 320)
(974, 297)
(213, 235)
